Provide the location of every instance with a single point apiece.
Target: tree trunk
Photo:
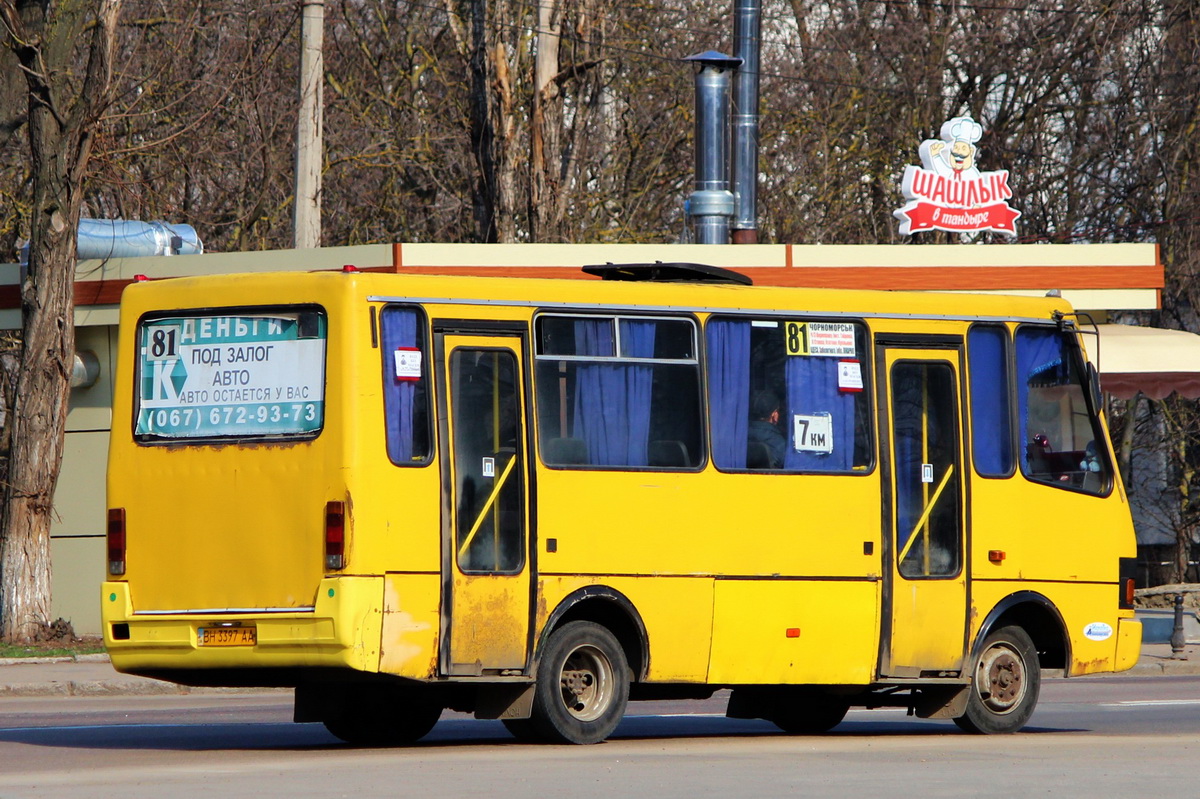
(64, 113)
(1125, 451)
(482, 135)
(544, 129)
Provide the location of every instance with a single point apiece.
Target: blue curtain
(729, 391)
(1040, 359)
(991, 423)
(594, 337)
(399, 329)
(612, 400)
(812, 388)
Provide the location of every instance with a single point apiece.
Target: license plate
(227, 636)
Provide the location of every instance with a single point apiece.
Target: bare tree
(65, 103)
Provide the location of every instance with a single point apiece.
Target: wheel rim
(1001, 679)
(587, 683)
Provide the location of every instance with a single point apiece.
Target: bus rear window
(235, 375)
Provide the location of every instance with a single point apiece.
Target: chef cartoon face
(962, 155)
(960, 134)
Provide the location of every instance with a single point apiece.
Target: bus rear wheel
(1004, 685)
(582, 685)
(809, 712)
(383, 720)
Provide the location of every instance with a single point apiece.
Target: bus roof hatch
(668, 273)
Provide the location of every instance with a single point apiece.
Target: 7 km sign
(221, 376)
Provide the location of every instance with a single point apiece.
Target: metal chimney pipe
(711, 205)
(747, 38)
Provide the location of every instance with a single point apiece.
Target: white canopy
(1148, 359)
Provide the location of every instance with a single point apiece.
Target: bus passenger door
(925, 593)
(486, 569)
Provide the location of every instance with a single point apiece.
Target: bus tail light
(1127, 582)
(116, 541)
(335, 536)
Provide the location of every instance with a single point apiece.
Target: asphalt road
(1113, 736)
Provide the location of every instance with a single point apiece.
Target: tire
(582, 686)
(384, 720)
(808, 713)
(1005, 684)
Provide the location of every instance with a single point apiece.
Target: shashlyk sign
(948, 192)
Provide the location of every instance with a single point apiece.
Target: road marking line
(1150, 702)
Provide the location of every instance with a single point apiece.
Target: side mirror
(1093, 379)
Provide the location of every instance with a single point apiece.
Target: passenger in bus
(764, 430)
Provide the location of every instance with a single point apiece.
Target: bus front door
(925, 593)
(485, 616)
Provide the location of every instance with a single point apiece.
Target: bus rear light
(335, 536)
(1126, 582)
(116, 541)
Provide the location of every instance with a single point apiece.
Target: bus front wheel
(582, 685)
(1004, 685)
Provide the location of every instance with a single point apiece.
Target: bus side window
(991, 408)
(618, 391)
(405, 385)
(1061, 433)
(788, 395)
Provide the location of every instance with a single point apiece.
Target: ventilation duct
(121, 238)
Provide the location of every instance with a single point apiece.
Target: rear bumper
(342, 630)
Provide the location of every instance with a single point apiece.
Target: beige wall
(77, 536)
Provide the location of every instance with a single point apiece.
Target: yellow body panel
(794, 632)
(677, 613)
(411, 605)
(737, 578)
(1080, 606)
(709, 523)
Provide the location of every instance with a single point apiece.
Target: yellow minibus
(536, 500)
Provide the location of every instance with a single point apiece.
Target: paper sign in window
(812, 433)
(408, 363)
(822, 339)
(850, 376)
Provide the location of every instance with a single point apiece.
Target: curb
(99, 657)
(117, 685)
(91, 688)
(143, 687)
(1163, 667)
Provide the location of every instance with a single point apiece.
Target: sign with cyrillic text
(231, 376)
